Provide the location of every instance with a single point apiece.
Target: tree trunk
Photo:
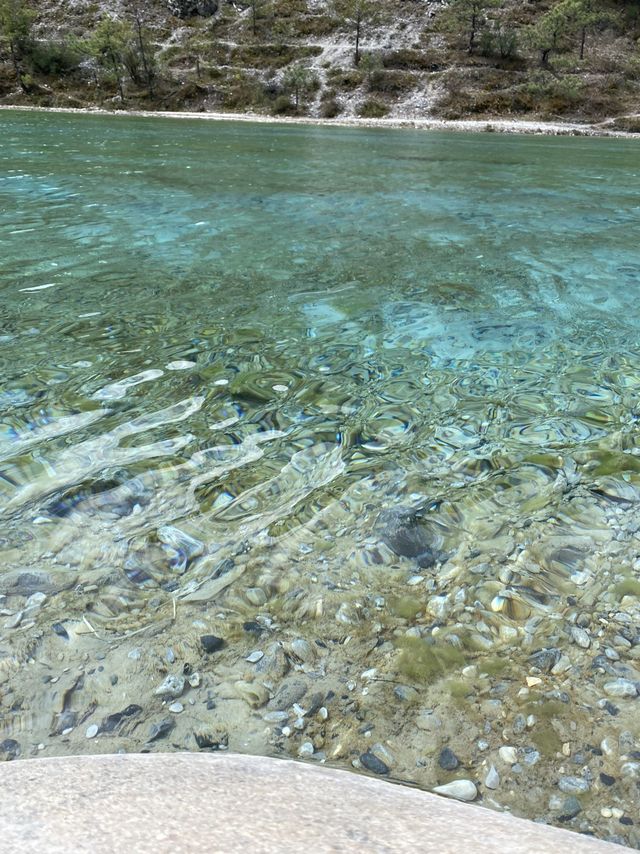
(358, 24)
(583, 38)
(143, 55)
(472, 35)
(16, 66)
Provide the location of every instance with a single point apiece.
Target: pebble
(255, 656)
(35, 600)
(160, 729)
(194, 680)
(92, 731)
(306, 749)
(573, 785)
(581, 637)
(571, 807)
(508, 755)
(14, 621)
(621, 688)
(492, 780)
(180, 365)
(447, 760)
(462, 790)
(176, 708)
(256, 596)
(275, 717)
(9, 749)
(405, 693)
(384, 755)
(211, 643)
(173, 686)
(371, 762)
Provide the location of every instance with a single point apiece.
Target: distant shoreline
(497, 125)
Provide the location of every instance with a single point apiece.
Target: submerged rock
(447, 760)
(9, 749)
(172, 687)
(211, 643)
(21, 582)
(401, 529)
(621, 688)
(371, 762)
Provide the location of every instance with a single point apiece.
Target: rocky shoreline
(496, 125)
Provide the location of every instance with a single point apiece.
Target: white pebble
(280, 387)
(462, 790)
(92, 731)
(508, 755)
(180, 365)
(176, 708)
(255, 656)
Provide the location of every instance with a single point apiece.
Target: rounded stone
(447, 760)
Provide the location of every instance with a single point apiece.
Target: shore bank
(497, 125)
(229, 803)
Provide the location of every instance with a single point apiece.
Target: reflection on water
(361, 403)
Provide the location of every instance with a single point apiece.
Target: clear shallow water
(226, 349)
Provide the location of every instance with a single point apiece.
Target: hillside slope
(543, 59)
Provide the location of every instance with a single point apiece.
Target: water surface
(235, 359)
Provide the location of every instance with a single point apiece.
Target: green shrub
(330, 108)
(348, 79)
(283, 106)
(271, 56)
(54, 58)
(412, 60)
(391, 82)
(372, 108)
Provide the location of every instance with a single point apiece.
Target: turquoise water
(242, 343)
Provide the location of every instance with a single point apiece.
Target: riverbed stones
(447, 760)
(161, 729)
(21, 582)
(573, 785)
(402, 530)
(621, 688)
(211, 643)
(371, 762)
(492, 779)
(580, 637)
(461, 790)
(508, 754)
(290, 691)
(9, 750)
(172, 687)
(571, 808)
